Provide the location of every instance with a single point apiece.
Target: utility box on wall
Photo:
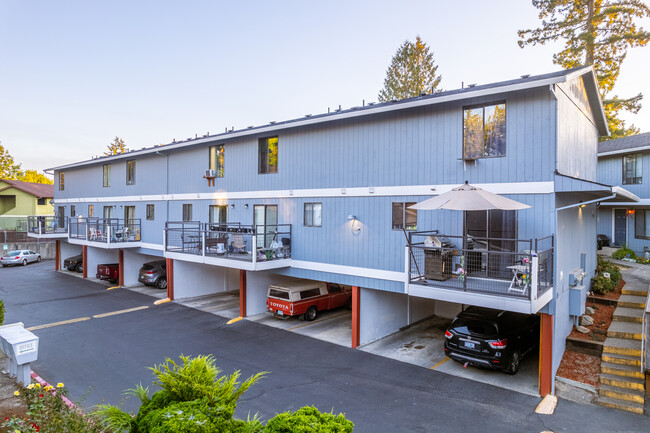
(577, 300)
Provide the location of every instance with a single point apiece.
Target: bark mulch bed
(602, 316)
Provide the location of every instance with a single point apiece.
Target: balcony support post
(203, 243)
(108, 233)
(534, 281)
(356, 319)
(407, 269)
(254, 248)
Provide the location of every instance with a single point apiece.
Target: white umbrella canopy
(468, 198)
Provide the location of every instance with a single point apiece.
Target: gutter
(584, 203)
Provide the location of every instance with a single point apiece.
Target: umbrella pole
(411, 253)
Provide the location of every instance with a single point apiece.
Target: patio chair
(93, 233)
(238, 244)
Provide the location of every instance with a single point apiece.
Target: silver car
(19, 257)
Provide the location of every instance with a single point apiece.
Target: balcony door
(265, 219)
(498, 229)
(129, 218)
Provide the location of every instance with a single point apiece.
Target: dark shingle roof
(38, 190)
(626, 143)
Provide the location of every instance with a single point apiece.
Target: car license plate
(470, 345)
(280, 312)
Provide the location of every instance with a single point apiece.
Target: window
(61, 181)
(217, 160)
(484, 131)
(108, 212)
(265, 220)
(313, 214)
(498, 225)
(73, 211)
(130, 172)
(403, 217)
(187, 212)
(642, 224)
(632, 170)
(309, 293)
(41, 201)
(268, 155)
(60, 216)
(218, 214)
(150, 212)
(107, 175)
(91, 210)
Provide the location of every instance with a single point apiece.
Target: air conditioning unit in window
(210, 173)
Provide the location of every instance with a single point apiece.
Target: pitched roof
(633, 143)
(38, 190)
(471, 91)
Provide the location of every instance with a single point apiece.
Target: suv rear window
(310, 293)
(474, 327)
(146, 267)
(280, 294)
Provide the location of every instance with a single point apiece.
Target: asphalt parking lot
(120, 333)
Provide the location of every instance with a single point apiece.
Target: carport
(98, 256)
(132, 262)
(193, 280)
(67, 250)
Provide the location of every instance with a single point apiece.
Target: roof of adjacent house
(38, 190)
(471, 91)
(633, 143)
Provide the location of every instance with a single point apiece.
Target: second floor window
(41, 202)
(187, 212)
(642, 224)
(268, 155)
(484, 131)
(217, 160)
(632, 170)
(73, 211)
(313, 214)
(150, 212)
(130, 172)
(107, 175)
(91, 210)
(403, 217)
(61, 181)
(218, 214)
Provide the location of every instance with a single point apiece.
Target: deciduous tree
(598, 33)
(411, 72)
(8, 167)
(35, 177)
(116, 147)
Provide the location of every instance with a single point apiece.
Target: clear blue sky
(74, 74)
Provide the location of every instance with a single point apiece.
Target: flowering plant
(525, 260)
(461, 273)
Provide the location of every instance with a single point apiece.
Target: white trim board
(411, 190)
(641, 202)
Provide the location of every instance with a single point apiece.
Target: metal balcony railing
(252, 243)
(505, 267)
(47, 224)
(105, 230)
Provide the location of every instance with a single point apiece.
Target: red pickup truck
(109, 271)
(305, 298)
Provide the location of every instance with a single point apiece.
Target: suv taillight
(149, 272)
(498, 344)
(448, 334)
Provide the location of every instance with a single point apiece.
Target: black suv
(74, 263)
(490, 338)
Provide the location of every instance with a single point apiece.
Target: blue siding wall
(610, 172)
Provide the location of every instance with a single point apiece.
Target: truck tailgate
(279, 306)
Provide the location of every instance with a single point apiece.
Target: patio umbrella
(468, 198)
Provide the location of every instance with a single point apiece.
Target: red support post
(121, 267)
(242, 293)
(57, 255)
(546, 354)
(84, 253)
(356, 310)
(170, 278)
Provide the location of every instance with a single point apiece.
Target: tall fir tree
(116, 147)
(411, 72)
(598, 33)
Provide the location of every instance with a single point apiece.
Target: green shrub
(308, 420)
(621, 253)
(614, 274)
(602, 285)
(2, 312)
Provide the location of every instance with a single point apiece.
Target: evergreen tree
(8, 167)
(598, 33)
(411, 72)
(116, 147)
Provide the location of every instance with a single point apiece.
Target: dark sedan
(490, 338)
(74, 263)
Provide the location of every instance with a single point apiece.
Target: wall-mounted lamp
(246, 205)
(354, 219)
(232, 205)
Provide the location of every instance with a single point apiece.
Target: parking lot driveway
(224, 304)
(423, 344)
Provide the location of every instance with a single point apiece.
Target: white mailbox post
(21, 346)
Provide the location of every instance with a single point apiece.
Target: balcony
(230, 245)
(508, 274)
(105, 233)
(47, 227)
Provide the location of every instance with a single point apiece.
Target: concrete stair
(622, 383)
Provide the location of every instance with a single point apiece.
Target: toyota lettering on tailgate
(276, 305)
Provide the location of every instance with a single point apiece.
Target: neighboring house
(18, 200)
(622, 161)
(326, 197)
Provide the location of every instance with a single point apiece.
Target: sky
(76, 74)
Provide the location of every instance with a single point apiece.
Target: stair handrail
(644, 333)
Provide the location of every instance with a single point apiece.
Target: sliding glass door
(265, 219)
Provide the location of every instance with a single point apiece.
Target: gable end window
(268, 155)
(313, 214)
(484, 131)
(217, 160)
(41, 201)
(107, 175)
(632, 169)
(61, 181)
(130, 172)
(403, 217)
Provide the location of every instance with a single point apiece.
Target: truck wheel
(79, 268)
(311, 313)
(161, 283)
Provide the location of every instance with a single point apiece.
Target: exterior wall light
(354, 219)
(232, 205)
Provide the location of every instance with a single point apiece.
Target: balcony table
(519, 284)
